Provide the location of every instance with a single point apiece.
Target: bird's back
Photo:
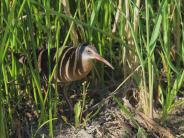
(69, 67)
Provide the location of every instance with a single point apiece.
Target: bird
(75, 63)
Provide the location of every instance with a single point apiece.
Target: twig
(100, 104)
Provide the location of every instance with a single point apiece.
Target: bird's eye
(88, 51)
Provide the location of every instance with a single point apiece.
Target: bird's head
(90, 53)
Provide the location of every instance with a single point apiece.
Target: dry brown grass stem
(117, 16)
(73, 33)
(131, 61)
(127, 14)
(136, 15)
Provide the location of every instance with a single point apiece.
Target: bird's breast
(84, 70)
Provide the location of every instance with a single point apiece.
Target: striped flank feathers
(73, 64)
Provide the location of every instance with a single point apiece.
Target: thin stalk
(150, 67)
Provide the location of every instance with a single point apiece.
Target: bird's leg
(65, 93)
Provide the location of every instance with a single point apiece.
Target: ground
(112, 122)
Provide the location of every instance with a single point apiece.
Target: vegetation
(144, 40)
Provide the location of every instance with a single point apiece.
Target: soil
(111, 121)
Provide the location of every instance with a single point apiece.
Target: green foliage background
(148, 35)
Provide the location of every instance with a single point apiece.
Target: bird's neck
(87, 66)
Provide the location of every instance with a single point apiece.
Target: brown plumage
(73, 64)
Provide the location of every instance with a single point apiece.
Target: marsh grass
(145, 33)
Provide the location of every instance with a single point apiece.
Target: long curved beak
(99, 58)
